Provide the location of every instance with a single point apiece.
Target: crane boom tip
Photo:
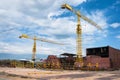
(66, 6)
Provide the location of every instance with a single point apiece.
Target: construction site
(99, 58)
(100, 63)
(103, 58)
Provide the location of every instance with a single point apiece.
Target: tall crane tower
(34, 45)
(79, 30)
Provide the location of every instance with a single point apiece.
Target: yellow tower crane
(34, 45)
(79, 31)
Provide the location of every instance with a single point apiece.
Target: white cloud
(118, 36)
(34, 17)
(115, 25)
(75, 2)
(91, 33)
(10, 4)
(19, 48)
(13, 48)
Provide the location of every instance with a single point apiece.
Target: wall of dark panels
(100, 51)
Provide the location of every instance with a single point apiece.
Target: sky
(46, 19)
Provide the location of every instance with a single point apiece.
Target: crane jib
(80, 15)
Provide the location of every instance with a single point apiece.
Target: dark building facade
(99, 51)
(67, 60)
(106, 52)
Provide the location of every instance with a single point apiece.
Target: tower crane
(79, 30)
(34, 45)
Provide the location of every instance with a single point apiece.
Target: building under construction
(105, 57)
(96, 58)
(53, 62)
(100, 57)
(67, 60)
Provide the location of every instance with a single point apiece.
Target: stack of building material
(53, 62)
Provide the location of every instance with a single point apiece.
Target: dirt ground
(37, 74)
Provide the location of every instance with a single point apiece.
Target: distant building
(106, 52)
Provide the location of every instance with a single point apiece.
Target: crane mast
(34, 49)
(34, 44)
(79, 41)
(79, 58)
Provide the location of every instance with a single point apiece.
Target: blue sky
(45, 19)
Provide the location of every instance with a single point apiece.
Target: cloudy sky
(45, 19)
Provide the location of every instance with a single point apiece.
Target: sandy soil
(36, 74)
